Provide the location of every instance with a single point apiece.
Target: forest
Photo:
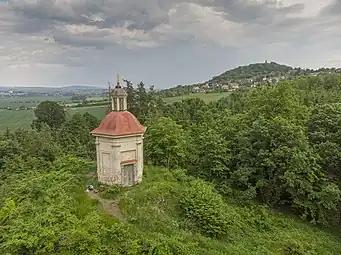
(256, 172)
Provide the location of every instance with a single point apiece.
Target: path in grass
(109, 206)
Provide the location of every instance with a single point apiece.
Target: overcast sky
(161, 42)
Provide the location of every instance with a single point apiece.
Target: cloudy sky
(161, 42)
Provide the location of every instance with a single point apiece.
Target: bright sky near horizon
(161, 42)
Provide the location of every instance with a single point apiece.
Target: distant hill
(258, 72)
(81, 87)
(247, 76)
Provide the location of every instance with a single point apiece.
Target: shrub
(294, 249)
(206, 210)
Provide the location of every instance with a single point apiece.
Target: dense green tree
(74, 135)
(208, 154)
(38, 143)
(78, 98)
(281, 100)
(187, 112)
(165, 143)
(131, 95)
(9, 149)
(50, 113)
(325, 135)
(275, 161)
(144, 104)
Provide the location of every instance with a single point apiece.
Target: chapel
(119, 143)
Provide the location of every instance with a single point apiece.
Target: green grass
(97, 111)
(30, 101)
(153, 209)
(15, 119)
(96, 98)
(206, 97)
(15, 102)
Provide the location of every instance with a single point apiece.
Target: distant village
(230, 85)
(11, 93)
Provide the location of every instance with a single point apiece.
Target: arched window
(121, 104)
(114, 105)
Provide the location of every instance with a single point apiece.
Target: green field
(97, 111)
(15, 119)
(15, 102)
(206, 97)
(96, 98)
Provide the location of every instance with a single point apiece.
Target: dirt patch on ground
(109, 206)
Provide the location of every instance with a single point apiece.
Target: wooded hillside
(253, 75)
(256, 172)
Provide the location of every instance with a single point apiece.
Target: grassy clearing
(206, 97)
(153, 208)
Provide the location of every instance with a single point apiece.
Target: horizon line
(48, 86)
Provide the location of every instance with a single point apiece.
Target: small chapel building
(119, 143)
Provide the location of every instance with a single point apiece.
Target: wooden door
(128, 174)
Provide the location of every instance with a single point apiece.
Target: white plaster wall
(111, 151)
(139, 162)
(128, 155)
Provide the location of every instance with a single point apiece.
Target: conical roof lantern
(118, 90)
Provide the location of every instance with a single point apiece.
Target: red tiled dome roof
(119, 123)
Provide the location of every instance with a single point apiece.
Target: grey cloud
(253, 12)
(43, 15)
(333, 9)
(80, 41)
(262, 21)
(70, 58)
(145, 14)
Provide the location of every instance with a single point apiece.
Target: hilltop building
(225, 87)
(119, 143)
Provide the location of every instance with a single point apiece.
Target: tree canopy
(225, 177)
(49, 113)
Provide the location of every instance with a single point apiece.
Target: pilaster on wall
(139, 152)
(112, 104)
(125, 104)
(118, 104)
(116, 177)
(98, 156)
